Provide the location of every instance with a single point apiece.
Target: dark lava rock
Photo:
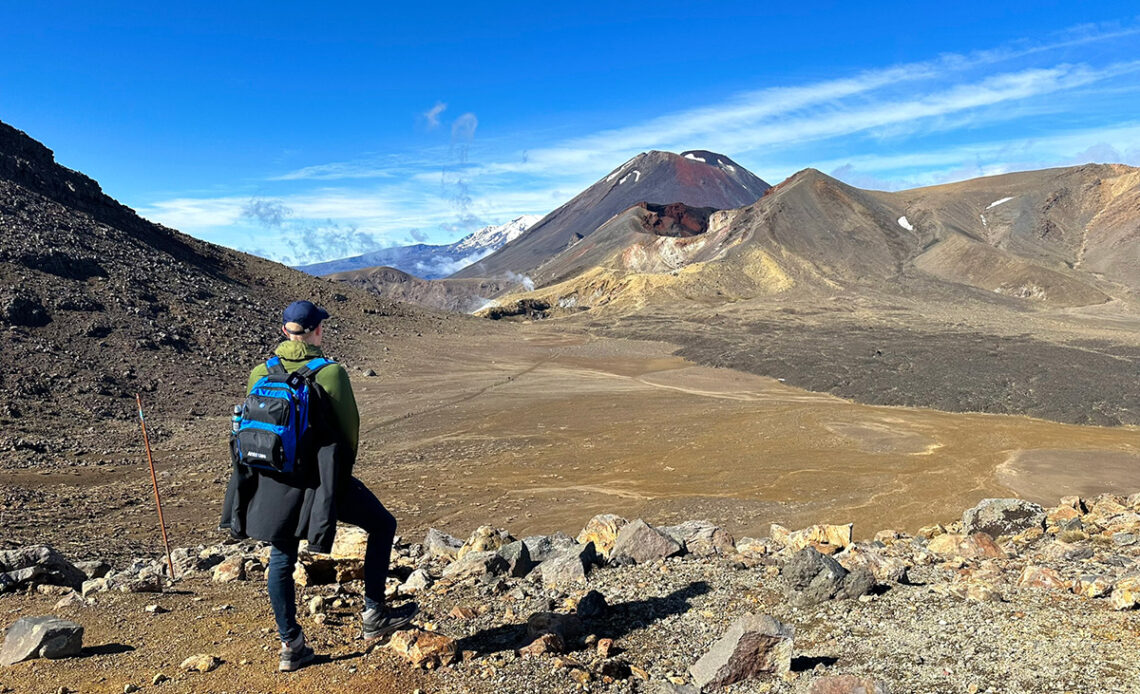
(41, 637)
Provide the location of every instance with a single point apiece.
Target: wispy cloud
(911, 124)
(431, 116)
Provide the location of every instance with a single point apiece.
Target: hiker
(287, 485)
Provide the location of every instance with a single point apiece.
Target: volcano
(696, 178)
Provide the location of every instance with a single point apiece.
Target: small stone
(615, 669)
(72, 599)
(159, 679)
(231, 569)
(130, 688)
(418, 581)
(606, 648)
(847, 684)
(569, 627)
(316, 605)
(424, 649)
(544, 644)
(582, 677)
(156, 609)
(462, 612)
(41, 637)
(1041, 577)
(753, 645)
(201, 663)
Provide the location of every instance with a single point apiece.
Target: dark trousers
(357, 506)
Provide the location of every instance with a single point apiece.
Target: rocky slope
(1012, 597)
(97, 304)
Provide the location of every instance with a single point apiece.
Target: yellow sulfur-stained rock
(424, 649)
(1126, 593)
(485, 539)
(1092, 586)
(834, 535)
(602, 530)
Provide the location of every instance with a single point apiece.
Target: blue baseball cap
(305, 314)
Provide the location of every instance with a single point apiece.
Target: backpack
(272, 427)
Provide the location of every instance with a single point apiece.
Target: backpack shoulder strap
(310, 369)
(273, 366)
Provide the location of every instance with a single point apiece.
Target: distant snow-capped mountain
(429, 261)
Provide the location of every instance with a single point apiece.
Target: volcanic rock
(486, 538)
(544, 644)
(640, 542)
(518, 559)
(543, 547)
(592, 605)
(847, 684)
(975, 546)
(203, 662)
(701, 538)
(424, 649)
(571, 565)
(754, 645)
(997, 517)
(440, 544)
(602, 530)
(35, 565)
(41, 637)
(838, 536)
(475, 565)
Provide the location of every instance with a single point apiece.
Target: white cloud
(431, 116)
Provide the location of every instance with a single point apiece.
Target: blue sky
(305, 134)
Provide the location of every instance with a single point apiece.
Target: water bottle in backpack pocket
(270, 433)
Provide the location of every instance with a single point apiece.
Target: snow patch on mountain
(495, 236)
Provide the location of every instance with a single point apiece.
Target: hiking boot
(295, 655)
(382, 621)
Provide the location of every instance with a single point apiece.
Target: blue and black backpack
(274, 424)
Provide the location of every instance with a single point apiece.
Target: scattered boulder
(1126, 593)
(701, 538)
(571, 565)
(752, 547)
(822, 537)
(885, 569)
(34, 565)
(814, 577)
(418, 581)
(754, 645)
(543, 547)
(1092, 586)
(602, 530)
(1041, 577)
(640, 542)
(441, 545)
(425, 649)
(567, 626)
(349, 543)
(592, 605)
(517, 557)
(975, 546)
(847, 684)
(997, 517)
(202, 662)
(476, 565)
(485, 539)
(231, 569)
(94, 569)
(41, 637)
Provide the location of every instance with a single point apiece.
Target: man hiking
(294, 446)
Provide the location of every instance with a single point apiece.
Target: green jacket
(333, 379)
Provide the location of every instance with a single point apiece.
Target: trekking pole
(154, 480)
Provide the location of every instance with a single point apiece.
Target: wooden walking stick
(154, 480)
